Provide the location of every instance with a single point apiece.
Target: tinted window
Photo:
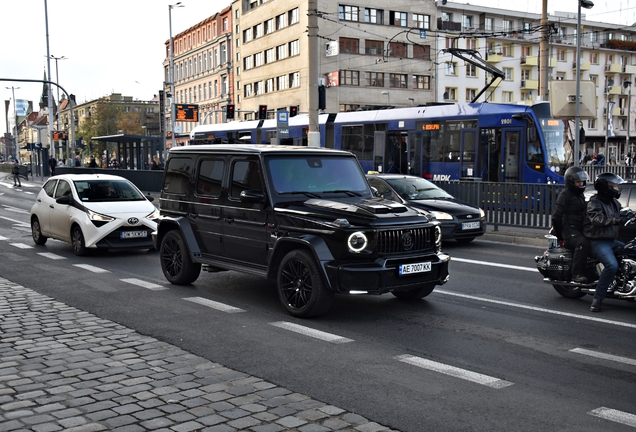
(49, 187)
(210, 177)
(245, 175)
(177, 175)
(63, 189)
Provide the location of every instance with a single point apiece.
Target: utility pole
(172, 95)
(49, 93)
(312, 31)
(543, 51)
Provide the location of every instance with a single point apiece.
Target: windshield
(413, 188)
(558, 149)
(312, 175)
(107, 190)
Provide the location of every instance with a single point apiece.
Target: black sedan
(460, 221)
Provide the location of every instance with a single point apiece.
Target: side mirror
(252, 196)
(66, 200)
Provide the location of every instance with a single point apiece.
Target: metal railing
(515, 204)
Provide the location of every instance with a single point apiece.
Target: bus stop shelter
(132, 151)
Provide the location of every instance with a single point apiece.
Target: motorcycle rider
(568, 218)
(601, 228)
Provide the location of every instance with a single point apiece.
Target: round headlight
(438, 236)
(357, 242)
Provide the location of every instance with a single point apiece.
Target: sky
(117, 46)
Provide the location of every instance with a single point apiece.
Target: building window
(507, 26)
(489, 24)
(294, 48)
(422, 82)
(294, 79)
(247, 63)
(525, 74)
(471, 44)
(506, 50)
(451, 68)
(397, 49)
(450, 93)
(594, 57)
(348, 13)
(508, 74)
(349, 45)
(373, 16)
(526, 51)
(258, 31)
(373, 47)
(467, 21)
(470, 94)
(451, 42)
(561, 55)
(471, 70)
(374, 79)
(270, 55)
(594, 79)
(349, 77)
(397, 18)
(293, 16)
(591, 124)
(269, 85)
(397, 80)
(422, 21)
(506, 97)
(269, 26)
(422, 52)
(281, 51)
(281, 21)
(258, 59)
(247, 90)
(281, 82)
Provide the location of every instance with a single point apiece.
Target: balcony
(585, 65)
(629, 69)
(619, 112)
(614, 68)
(530, 61)
(448, 25)
(493, 57)
(529, 85)
(614, 90)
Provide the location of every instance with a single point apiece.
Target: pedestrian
(77, 161)
(52, 164)
(602, 221)
(568, 219)
(16, 173)
(156, 164)
(92, 163)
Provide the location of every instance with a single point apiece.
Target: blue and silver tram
(476, 141)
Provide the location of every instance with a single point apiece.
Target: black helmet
(607, 185)
(574, 174)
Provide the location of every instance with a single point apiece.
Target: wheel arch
(183, 225)
(314, 244)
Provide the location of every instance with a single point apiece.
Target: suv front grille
(406, 240)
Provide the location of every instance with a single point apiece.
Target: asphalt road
(494, 349)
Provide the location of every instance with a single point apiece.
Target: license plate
(470, 225)
(133, 234)
(406, 269)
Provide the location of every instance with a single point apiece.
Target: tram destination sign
(187, 113)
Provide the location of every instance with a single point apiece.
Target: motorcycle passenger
(568, 218)
(601, 228)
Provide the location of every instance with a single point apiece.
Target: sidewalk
(65, 369)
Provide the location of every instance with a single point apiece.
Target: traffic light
(262, 112)
(229, 111)
(293, 110)
(322, 97)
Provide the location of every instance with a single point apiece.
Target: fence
(518, 204)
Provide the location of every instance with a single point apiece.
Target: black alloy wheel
(176, 264)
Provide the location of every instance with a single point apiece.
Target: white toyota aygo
(92, 211)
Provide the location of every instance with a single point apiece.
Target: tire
(465, 240)
(301, 286)
(176, 264)
(77, 241)
(36, 232)
(414, 294)
(566, 291)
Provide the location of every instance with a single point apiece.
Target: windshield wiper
(309, 194)
(350, 193)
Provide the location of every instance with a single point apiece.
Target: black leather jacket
(603, 218)
(569, 214)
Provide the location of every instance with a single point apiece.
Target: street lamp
(57, 81)
(172, 113)
(387, 98)
(587, 4)
(15, 112)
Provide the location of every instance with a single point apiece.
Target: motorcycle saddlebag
(556, 263)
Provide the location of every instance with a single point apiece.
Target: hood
(113, 208)
(448, 206)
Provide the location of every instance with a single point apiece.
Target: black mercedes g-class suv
(303, 216)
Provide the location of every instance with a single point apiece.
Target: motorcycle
(556, 267)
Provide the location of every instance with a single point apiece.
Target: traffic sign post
(282, 124)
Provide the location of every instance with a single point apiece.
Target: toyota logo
(133, 221)
(407, 240)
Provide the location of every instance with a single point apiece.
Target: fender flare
(315, 244)
(181, 223)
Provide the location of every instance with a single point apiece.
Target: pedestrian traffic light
(229, 111)
(293, 110)
(262, 112)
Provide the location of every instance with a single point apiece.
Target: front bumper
(452, 230)
(382, 276)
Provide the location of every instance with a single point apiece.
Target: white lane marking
(604, 356)
(16, 210)
(29, 193)
(4, 238)
(21, 245)
(538, 309)
(454, 371)
(214, 305)
(615, 416)
(317, 334)
(51, 255)
(91, 268)
(144, 284)
(508, 266)
(17, 222)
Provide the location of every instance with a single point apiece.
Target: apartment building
(510, 41)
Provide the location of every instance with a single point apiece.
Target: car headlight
(441, 215)
(438, 238)
(357, 242)
(482, 213)
(154, 215)
(98, 217)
